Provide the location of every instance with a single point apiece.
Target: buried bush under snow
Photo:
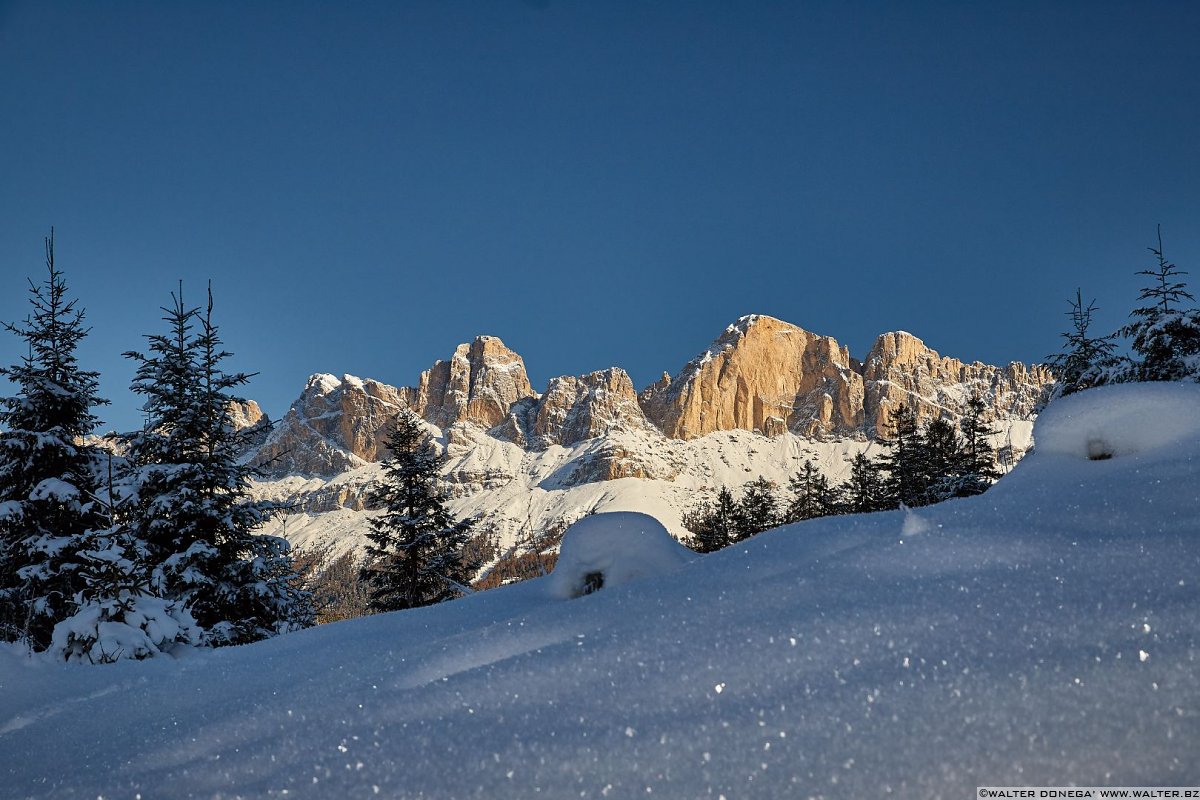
(1118, 420)
(614, 548)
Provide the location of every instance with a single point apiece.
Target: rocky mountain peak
(761, 374)
(902, 369)
(478, 384)
(575, 409)
(335, 424)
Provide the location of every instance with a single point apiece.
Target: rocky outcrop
(334, 425)
(901, 369)
(768, 376)
(337, 424)
(574, 410)
(479, 384)
(245, 414)
(762, 375)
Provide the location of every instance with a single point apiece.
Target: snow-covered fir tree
(865, 489)
(1164, 335)
(908, 475)
(47, 473)
(118, 616)
(940, 461)
(416, 553)
(1085, 361)
(189, 494)
(978, 469)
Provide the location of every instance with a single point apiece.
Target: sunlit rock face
(762, 375)
(478, 384)
(901, 370)
(336, 424)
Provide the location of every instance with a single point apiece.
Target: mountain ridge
(764, 397)
(761, 375)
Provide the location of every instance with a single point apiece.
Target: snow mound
(611, 549)
(1113, 421)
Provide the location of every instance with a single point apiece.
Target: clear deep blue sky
(597, 183)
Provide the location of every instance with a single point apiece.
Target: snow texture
(606, 550)
(1119, 420)
(1044, 633)
(134, 628)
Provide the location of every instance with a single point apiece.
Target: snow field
(1044, 633)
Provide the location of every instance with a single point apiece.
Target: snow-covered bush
(611, 549)
(133, 626)
(1118, 420)
(117, 617)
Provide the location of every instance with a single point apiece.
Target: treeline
(919, 465)
(105, 556)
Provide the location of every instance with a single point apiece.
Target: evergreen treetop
(1085, 361)
(713, 525)
(812, 496)
(1164, 335)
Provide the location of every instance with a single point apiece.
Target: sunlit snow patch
(614, 548)
(1113, 421)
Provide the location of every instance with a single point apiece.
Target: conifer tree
(757, 510)
(189, 493)
(1165, 336)
(47, 472)
(713, 526)
(907, 480)
(1085, 361)
(118, 616)
(865, 490)
(978, 456)
(812, 496)
(941, 461)
(416, 553)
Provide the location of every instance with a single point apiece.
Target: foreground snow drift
(1043, 633)
(608, 550)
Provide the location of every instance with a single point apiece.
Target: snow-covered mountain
(759, 400)
(1046, 633)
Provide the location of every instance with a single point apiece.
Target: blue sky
(597, 183)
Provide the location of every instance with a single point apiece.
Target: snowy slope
(519, 490)
(1045, 633)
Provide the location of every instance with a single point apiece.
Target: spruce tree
(713, 525)
(757, 510)
(1165, 336)
(941, 461)
(189, 492)
(978, 468)
(907, 480)
(118, 616)
(416, 553)
(865, 490)
(1085, 361)
(812, 496)
(47, 472)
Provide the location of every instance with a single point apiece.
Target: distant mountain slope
(764, 395)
